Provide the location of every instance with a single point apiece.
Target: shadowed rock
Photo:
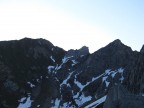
(119, 97)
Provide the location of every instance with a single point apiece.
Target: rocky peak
(84, 50)
(113, 54)
(78, 53)
(37, 71)
(36, 42)
(117, 45)
(142, 49)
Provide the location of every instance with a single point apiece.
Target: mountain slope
(35, 73)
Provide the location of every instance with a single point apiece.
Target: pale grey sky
(74, 23)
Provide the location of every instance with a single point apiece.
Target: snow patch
(74, 62)
(120, 70)
(50, 68)
(82, 86)
(81, 55)
(38, 106)
(27, 103)
(65, 81)
(108, 72)
(113, 74)
(66, 105)
(82, 99)
(52, 58)
(79, 84)
(96, 103)
(104, 79)
(31, 85)
(58, 67)
(22, 99)
(56, 103)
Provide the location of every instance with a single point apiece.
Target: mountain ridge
(36, 71)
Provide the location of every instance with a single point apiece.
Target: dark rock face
(35, 71)
(77, 53)
(142, 50)
(22, 62)
(119, 97)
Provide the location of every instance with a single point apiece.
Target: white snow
(120, 70)
(58, 67)
(68, 85)
(38, 106)
(56, 102)
(121, 79)
(31, 85)
(93, 79)
(50, 68)
(75, 96)
(27, 104)
(22, 99)
(82, 86)
(113, 74)
(79, 84)
(82, 99)
(74, 62)
(52, 58)
(108, 72)
(56, 79)
(65, 81)
(64, 60)
(107, 83)
(97, 102)
(104, 79)
(81, 55)
(66, 105)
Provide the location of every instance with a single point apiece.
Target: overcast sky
(71, 24)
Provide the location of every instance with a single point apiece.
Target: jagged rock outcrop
(74, 54)
(23, 66)
(35, 71)
(142, 49)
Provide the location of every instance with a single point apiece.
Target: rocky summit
(36, 74)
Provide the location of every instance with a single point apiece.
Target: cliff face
(35, 73)
(119, 97)
(23, 69)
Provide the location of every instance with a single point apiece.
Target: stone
(119, 97)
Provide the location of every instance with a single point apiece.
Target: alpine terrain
(36, 74)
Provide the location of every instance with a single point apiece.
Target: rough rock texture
(142, 49)
(119, 97)
(77, 53)
(22, 62)
(36, 71)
